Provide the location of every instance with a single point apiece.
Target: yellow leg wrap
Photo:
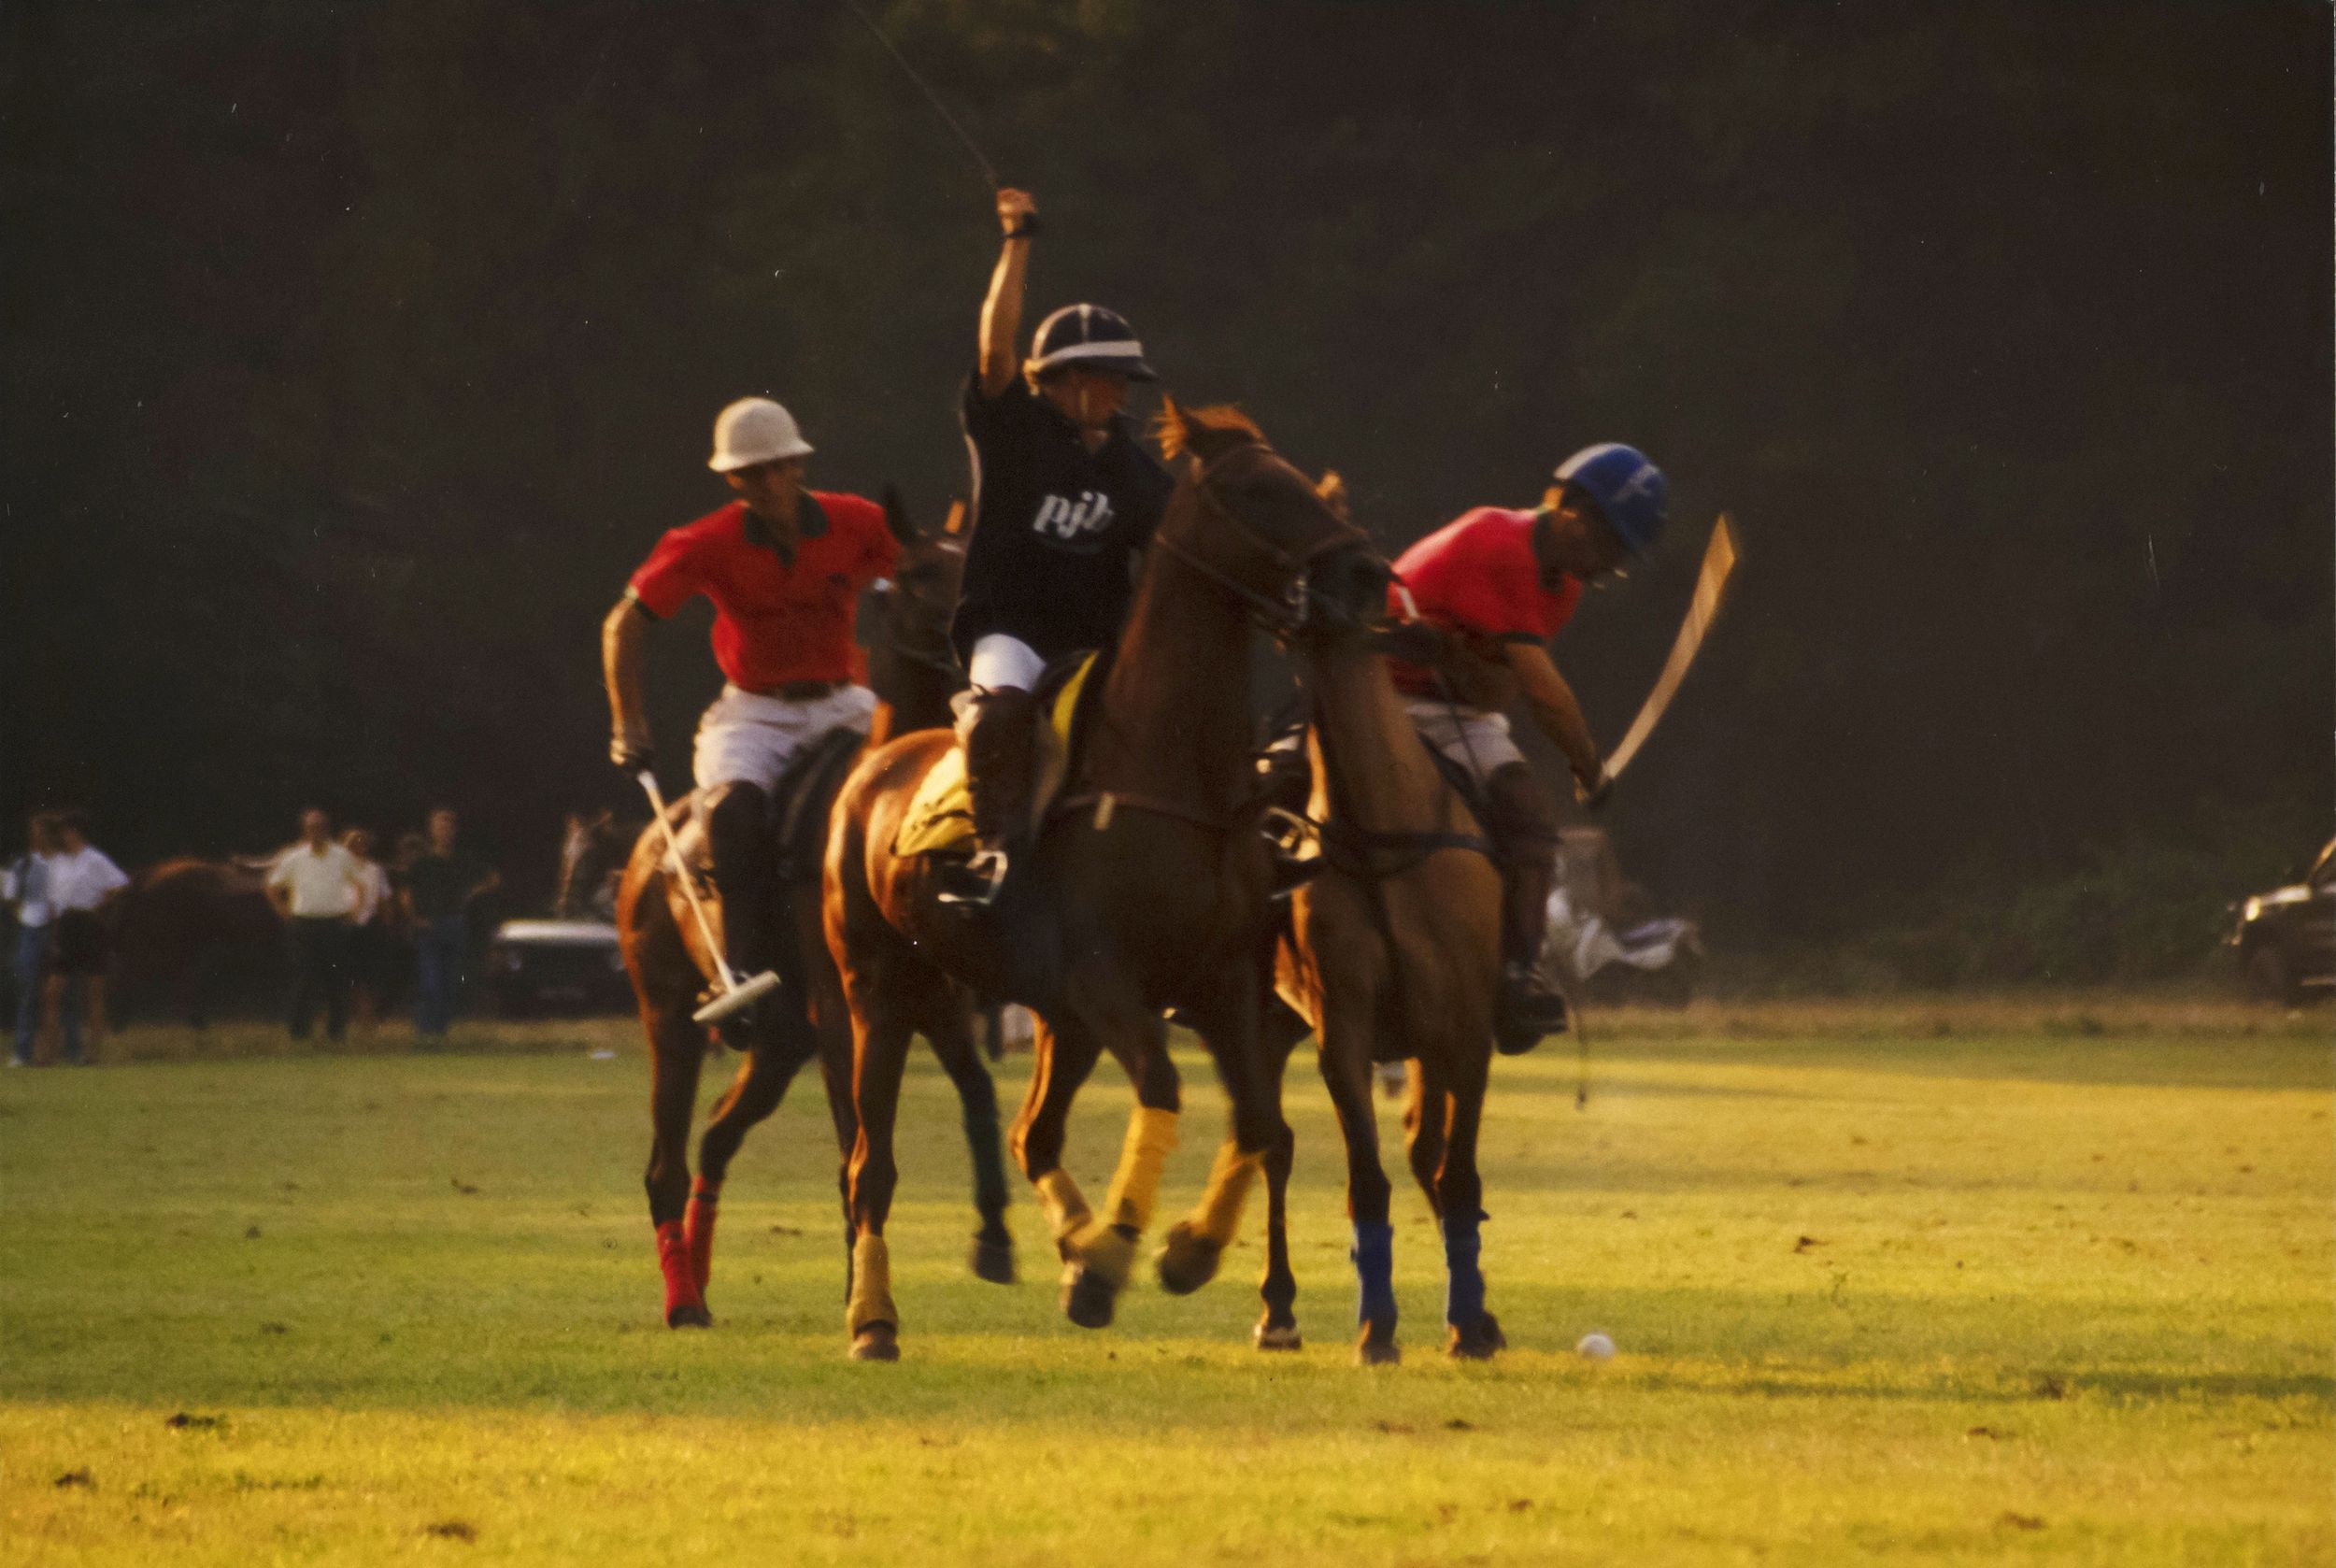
(1218, 1216)
(871, 1285)
(1065, 1205)
(1151, 1138)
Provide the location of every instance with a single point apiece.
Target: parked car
(2286, 938)
(534, 967)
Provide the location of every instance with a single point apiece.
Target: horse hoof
(1277, 1336)
(1377, 1348)
(993, 1259)
(689, 1315)
(1478, 1344)
(1088, 1297)
(1187, 1261)
(878, 1342)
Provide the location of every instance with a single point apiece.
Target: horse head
(905, 623)
(1243, 517)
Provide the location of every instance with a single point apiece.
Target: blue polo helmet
(1090, 335)
(1631, 493)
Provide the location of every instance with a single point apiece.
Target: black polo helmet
(1090, 335)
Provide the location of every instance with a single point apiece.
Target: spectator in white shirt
(372, 943)
(83, 882)
(25, 884)
(317, 886)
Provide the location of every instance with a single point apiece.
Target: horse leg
(1475, 1334)
(1060, 1058)
(1345, 1064)
(1101, 1252)
(952, 1035)
(676, 1053)
(1195, 1244)
(757, 1091)
(880, 1042)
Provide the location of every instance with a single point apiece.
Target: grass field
(1936, 1282)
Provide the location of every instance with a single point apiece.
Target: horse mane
(1177, 427)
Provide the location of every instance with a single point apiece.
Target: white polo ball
(1595, 1347)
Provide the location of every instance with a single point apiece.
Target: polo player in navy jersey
(1065, 499)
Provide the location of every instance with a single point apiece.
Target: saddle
(1285, 783)
(940, 815)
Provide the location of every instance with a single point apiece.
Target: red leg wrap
(703, 1212)
(672, 1260)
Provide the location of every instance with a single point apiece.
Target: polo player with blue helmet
(1064, 500)
(1498, 584)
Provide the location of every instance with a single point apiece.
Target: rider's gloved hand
(630, 754)
(1592, 793)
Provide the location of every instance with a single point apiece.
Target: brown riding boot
(1522, 822)
(1000, 735)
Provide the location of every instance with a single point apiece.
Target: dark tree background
(355, 353)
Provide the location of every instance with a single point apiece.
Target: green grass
(1936, 1281)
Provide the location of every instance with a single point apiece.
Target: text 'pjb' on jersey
(1057, 528)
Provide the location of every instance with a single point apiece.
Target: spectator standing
(82, 881)
(370, 938)
(25, 884)
(316, 886)
(439, 887)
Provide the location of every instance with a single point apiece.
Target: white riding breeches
(748, 738)
(1002, 661)
(1478, 741)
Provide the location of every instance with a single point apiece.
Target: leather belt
(802, 690)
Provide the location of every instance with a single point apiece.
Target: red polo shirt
(1477, 576)
(773, 622)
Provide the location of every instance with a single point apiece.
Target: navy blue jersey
(1058, 530)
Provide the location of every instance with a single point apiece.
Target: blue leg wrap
(1465, 1291)
(1375, 1268)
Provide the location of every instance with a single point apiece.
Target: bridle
(1284, 609)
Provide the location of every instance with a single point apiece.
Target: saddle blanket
(940, 815)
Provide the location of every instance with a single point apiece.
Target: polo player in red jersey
(784, 567)
(1500, 583)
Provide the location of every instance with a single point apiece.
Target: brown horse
(669, 966)
(1146, 887)
(1395, 952)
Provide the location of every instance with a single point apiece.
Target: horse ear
(896, 516)
(1332, 490)
(1175, 433)
(956, 523)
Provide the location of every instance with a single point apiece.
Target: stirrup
(976, 883)
(1527, 1011)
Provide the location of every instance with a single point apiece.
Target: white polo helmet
(754, 430)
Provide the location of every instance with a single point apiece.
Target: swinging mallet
(738, 995)
(1710, 586)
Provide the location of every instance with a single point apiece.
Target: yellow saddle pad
(940, 815)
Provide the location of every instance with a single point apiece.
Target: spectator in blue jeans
(25, 884)
(439, 887)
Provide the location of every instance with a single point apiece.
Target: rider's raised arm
(1002, 311)
(1552, 704)
(620, 665)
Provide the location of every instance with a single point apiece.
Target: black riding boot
(745, 876)
(1000, 735)
(1523, 825)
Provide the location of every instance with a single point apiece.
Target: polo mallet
(738, 995)
(1711, 587)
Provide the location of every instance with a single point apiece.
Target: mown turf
(1935, 1283)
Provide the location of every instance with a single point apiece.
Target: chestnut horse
(1145, 888)
(1395, 952)
(665, 956)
